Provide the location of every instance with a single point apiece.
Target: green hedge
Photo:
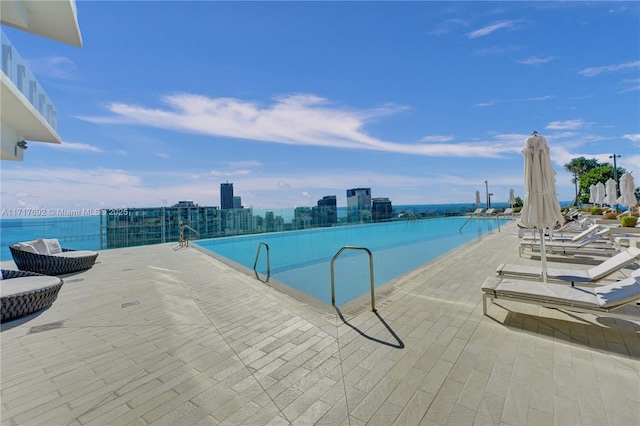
(629, 221)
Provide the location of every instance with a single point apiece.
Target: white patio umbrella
(541, 207)
(512, 198)
(478, 199)
(612, 193)
(600, 193)
(592, 194)
(627, 191)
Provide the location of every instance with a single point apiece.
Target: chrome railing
(333, 287)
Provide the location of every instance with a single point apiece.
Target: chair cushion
(618, 293)
(75, 253)
(29, 248)
(26, 284)
(53, 245)
(40, 246)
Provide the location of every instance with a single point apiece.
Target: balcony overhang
(20, 115)
(56, 20)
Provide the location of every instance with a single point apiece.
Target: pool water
(301, 259)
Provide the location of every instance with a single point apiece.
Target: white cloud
(565, 125)
(301, 119)
(534, 60)
(73, 146)
(59, 67)
(437, 138)
(497, 101)
(594, 71)
(491, 28)
(633, 137)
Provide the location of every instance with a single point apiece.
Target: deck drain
(126, 305)
(45, 327)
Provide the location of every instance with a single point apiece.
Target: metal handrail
(471, 217)
(333, 288)
(268, 260)
(184, 242)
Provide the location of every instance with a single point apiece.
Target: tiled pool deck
(160, 335)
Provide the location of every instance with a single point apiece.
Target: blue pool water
(301, 259)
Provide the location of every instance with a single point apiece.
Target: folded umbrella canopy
(612, 192)
(541, 207)
(627, 191)
(600, 193)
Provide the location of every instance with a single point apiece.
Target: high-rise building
(28, 114)
(359, 205)
(326, 213)
(237, 202)
(155, 225)
(226, 196)
(381, 209)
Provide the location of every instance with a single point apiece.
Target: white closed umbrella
(627, 191)
(592, 194)
(478, 199)
(600, 193)
(612, 193)
(512, 198)
(541, 207)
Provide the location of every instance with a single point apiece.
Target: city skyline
(421, 101)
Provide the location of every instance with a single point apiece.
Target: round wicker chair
(26, 292)
(63, 263)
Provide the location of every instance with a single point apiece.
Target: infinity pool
(301, 259)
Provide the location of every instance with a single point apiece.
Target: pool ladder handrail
(471, 217)
(255, 263)
(333, 289)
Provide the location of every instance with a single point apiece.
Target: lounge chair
(599, 300)
(26, 292)
(591, 275)
(575, 238)
(477, 211)
(595, 241)
(45, 256)
(490, 212)
(508, 212)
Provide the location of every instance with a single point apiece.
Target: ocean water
(301, 259)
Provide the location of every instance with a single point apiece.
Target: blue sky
(421, 101)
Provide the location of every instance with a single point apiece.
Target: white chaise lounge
(591, 275)
(599, 300)
(594, 241)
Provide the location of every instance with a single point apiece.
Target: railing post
(333, 287)
(255, 263)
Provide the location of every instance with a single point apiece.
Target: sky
(290, 101)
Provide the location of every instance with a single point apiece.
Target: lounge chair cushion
(27, 247)
(75, 253)
(53, 245)
(535, 290)
(621, 292)
(40, 246)
(27, 284)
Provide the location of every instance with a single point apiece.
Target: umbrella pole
(543, 256)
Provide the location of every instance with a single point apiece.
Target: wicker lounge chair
(26, 292)
(33, 256)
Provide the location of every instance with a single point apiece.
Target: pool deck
(167, 335)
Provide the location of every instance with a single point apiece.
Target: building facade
(155, 225)
(359, 205)
(381, 210)
(326, 213)
(27, 112)
(226, 196)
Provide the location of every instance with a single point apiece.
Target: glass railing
(88, 229)
(15, 68)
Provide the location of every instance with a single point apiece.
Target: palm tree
(579, 166)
